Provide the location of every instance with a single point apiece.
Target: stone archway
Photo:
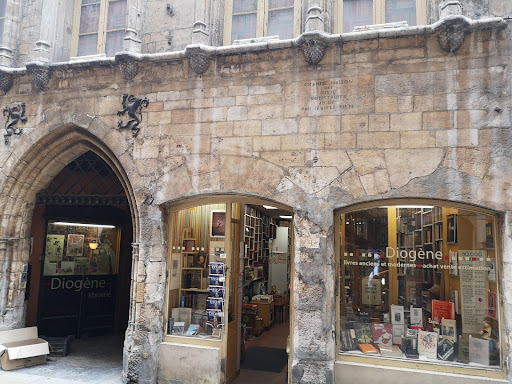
(32, 172)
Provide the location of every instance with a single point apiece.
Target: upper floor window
(99, 27)
(3, 4)
(247, 19)
(352, 13)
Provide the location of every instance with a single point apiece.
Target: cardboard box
(22, 348)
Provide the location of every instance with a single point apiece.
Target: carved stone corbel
(314, 45)
(452, 33)
(199, 58)
(41, 74)
(6, 81)
(129, 68)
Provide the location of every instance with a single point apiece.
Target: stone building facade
(319, 122)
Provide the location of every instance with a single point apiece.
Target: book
(397, 314)
(446, 350)
(463, 350)
(390, 351)
(410, 344)
(398, 333)
(368, 349)
(416, 317)
(449, 329)
(382, 333)
(364, 333)
(193, 329)
(442, 310)
(479, 350)
(427, 344)
(178, 327)
(348, 340)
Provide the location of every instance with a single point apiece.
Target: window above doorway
(250, 20)
(99, 27)
(359, 13)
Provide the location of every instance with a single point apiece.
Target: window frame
(102, 28)
(379, 14)
(339, 239)
(261, 19)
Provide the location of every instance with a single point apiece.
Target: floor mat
(265, 359)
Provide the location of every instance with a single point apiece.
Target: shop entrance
(230, 271)
(80, 260)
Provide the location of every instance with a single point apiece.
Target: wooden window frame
(379, 13)
(261, 19)
(102, 28)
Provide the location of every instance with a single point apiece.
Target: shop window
(197, 278)
(78, 290)
(420, 283)
(99, 27)
(3, 4)
(359, 13)
(252, 19)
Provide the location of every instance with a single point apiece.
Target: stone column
(146, 322)
(200, 32)
(10, 33)
(314, 310)
(314, 19)
(132, 41)
(450, 8)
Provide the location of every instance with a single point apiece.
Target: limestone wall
(382, 115)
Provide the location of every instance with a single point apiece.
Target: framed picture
(452, 228)
(75, 246)
(218, 224)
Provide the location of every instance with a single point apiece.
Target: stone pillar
(314, 19)
(314, 304)
(132, 41)
(146, 323)
(450, 8)
(200, 32)
(10, 33)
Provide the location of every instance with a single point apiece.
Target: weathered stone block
(405, 121)
(438, 120)
(367, 140)
(417, 139)
(354, 123)
(386, 104)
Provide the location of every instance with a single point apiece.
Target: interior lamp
(93, 244)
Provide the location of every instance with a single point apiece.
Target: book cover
(368, 349)
(449, 329)
(479, 350)
(193, 329)
(427, 344)
(348, 340)
(398, 333)
(390, 351)
(382, 333)
(446, 350)
(364, 334)
(454, 298)
(416, 317)
(463, 350)
(178, 327)
(397, 314)
(442, 310)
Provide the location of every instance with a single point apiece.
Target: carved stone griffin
(14, 114)
(133, 105)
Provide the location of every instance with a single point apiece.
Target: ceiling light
(269, 207)
(285, 217)
(83, 224)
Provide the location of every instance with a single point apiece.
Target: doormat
(265, 359)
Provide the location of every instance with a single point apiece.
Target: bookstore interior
(420, 283)
(229, 271)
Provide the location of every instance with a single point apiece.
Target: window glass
(401, 10)
(114, 42)
(240, 6)
(197, 272)
(89, 18)
(116, 15)
(272, 4)
(243, 27)
(420, 282)
(87, 45)
(2, 7)
(280, 23)
(357, 13)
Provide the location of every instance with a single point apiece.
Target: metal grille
(89, 179)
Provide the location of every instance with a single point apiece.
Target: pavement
(95, 360)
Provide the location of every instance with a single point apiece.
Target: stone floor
(95, 360)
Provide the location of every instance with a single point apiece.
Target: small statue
(133, 105)
(488, 331)
(14, 114)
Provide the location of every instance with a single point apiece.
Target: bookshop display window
(197, 272)
(420, 283)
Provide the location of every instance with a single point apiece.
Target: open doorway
(230, 271)
(80, 259)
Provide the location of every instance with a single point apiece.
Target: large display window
(420, 283)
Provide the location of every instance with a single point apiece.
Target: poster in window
(491, 263)
(54, 248)
(75, 246)
(218, 224)
(175, 270)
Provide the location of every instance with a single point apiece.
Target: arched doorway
(81, 252)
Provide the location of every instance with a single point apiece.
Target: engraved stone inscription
(328, 96)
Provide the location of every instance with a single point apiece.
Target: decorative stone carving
(314, 50)
(133, 105)
(199, 57)
(129, 68)
(6, 81)
(14, 114)
(41, 74)
(452, 33)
